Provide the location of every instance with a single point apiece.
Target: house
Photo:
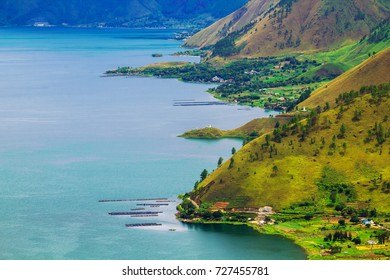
(216, 79)
(371, 242)
(252, 72)
(367, 222)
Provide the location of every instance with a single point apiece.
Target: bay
(70, 137)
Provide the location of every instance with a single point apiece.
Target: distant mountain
(272, 27)
(133, 13)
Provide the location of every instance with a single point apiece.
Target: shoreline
(256, 228)
(312, 249)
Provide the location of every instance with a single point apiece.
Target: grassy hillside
(344, 148)
(264, 28)
(322, 172)
(375, 70)
(351, 54)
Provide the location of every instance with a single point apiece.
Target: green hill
(287, 166)
(321, 173)
(308, 161)
(375, 70)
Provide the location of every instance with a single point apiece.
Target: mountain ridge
(270, 27)
(130, 13)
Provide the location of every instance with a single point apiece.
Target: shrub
(355, 219)
(357, 240)
(308, 217)
(342, 222)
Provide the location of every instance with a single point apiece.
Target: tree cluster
(338, 236)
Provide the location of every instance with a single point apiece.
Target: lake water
(70, 137)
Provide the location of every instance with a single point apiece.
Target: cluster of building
(217, 79)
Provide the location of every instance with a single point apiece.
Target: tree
(328, 238)
(204, 174)
(355, 219)
(220, 160)
(335, 249)
(343, 129)
(233, 150)
(217, 215)
(196, 185)
(267, 139)
(383, 237)
(308, 216)
(326, 107)
(342, 222)
(231, 164)
(333, 196)
(339, 207)
(277, 135)
(357, 115)
(357, 240)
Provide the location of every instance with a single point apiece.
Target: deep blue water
(70, 137)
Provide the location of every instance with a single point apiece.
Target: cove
(70, 137)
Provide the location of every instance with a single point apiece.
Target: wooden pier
(152, 204)
(199, 103)
(134, 213)
(133, 199)
(143, 225)
(144, 215)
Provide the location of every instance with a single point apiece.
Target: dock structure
(132, 199)
(143, 225)
(199, 103)
(144, 215)
(152, 204)
(134, 213)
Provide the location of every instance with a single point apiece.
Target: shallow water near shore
(70, 137)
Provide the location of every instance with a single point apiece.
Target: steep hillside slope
(310, 163)
(336, 155)
(374, 71)
(231, 23)
(268, 27)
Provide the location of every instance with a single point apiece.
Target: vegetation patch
(325, 173)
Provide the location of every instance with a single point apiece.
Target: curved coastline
(257, 229)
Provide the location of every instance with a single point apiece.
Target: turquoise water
(70, 137)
